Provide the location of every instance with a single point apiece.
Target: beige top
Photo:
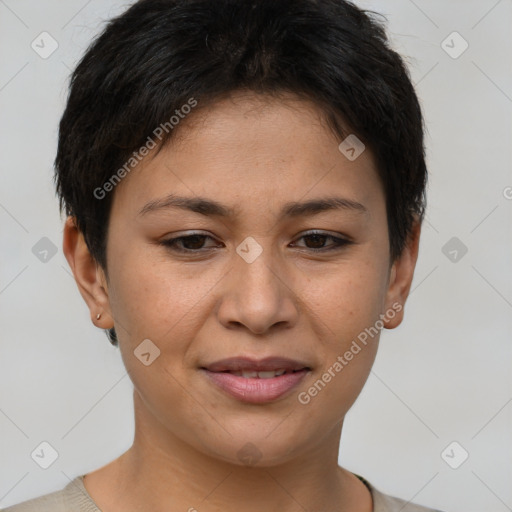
(75, 498)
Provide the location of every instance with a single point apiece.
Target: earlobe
(88, 274)
(400, 280)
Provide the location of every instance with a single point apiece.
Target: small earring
(98, 316)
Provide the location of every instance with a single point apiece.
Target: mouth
(261, 375)
(256, 381)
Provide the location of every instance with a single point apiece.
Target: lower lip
(256, 390)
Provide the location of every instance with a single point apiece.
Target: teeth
(267, 375)
(262, 375)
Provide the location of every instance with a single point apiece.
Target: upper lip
(234, 364)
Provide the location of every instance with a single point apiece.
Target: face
(259, 276)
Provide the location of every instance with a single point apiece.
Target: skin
(254, 154)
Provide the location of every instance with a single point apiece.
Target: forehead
(257, 125)
(249, 146)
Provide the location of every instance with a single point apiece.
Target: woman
(244, 183)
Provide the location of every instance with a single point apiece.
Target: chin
(253, 447)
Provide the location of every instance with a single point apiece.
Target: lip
(256, 390)
(259, 365)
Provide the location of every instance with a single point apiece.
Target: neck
(161, 472)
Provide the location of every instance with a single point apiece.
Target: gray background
(442, 376)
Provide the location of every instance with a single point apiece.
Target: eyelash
(171, 243)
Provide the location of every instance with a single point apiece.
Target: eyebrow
(209, 207)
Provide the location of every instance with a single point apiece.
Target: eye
(190, 243)
(194, 243)
(318, 239)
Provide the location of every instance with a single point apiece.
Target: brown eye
(190, 243)
(316, 241)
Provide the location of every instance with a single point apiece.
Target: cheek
(334, 389)
(347, 306)
(158, 299)
(347, 299)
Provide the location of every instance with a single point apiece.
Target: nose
(258, 295)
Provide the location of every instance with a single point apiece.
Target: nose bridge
(258, 267)
(257, 295)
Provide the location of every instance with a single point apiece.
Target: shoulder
(385, 503)
(54, 502)
(73, 498)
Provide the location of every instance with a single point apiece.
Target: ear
(89, 275)
(400, 279)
